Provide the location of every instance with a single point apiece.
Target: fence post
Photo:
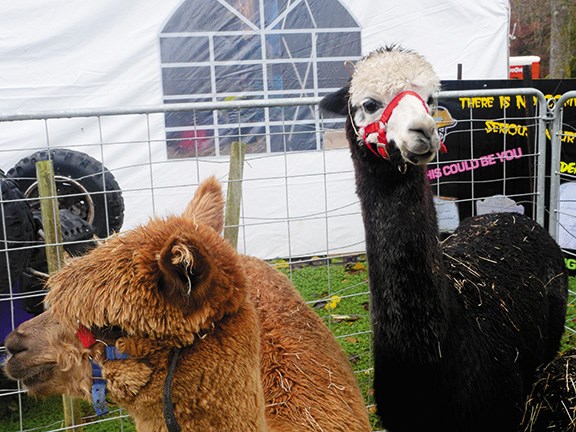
(55, 259)
(234, 194)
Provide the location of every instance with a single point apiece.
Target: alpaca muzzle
(382, 147)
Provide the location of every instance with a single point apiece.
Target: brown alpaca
(254, 356)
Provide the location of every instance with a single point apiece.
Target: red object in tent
(517, 66)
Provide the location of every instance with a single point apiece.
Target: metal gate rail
(557, 114)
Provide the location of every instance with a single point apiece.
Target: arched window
(214, 50)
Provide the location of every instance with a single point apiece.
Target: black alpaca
(459, 326)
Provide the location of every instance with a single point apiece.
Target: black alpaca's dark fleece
(459, 327)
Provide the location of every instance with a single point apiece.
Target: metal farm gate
(298, 207)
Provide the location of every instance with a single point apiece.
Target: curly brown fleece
(254, 356)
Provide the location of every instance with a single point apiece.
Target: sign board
(490, 144)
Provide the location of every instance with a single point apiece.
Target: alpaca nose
(422, 142)
(14, 343)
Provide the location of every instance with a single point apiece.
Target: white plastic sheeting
(71, 54)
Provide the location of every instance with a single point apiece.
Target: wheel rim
(71, 196)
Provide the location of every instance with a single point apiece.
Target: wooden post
(50, 215)
(234, 195)
(55, 259)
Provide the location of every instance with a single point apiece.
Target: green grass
(347, 316)
(43, 415)
(569, 338)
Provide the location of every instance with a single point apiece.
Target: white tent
(72, 54)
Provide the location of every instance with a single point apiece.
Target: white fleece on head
(383, 74)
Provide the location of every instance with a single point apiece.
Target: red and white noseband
(382, 147)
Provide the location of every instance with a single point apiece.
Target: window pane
(205, 15)
(253, 137)
(242, 116)
(190, 143)
(188, 80)
(286, 46)
(337, 44)
(238, 78)
(243, 47)
(188, 118)
(325, 14)
(290, 76)
(332, 74)
(331, 14)
(184, 49)
(292, 138)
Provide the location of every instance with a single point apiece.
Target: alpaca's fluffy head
(161, 283)
(386, 72)
(164, 281)
(377, 79)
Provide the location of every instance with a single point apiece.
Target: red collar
(382, 147)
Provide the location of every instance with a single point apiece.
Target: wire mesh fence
(117, 168)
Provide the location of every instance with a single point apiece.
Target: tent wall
(72, 54)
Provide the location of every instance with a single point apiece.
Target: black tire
(17, 231)
(80, 186)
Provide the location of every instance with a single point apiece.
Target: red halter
(382, 147)
(85, 336)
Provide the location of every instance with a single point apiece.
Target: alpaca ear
(207, 205)
(185, 269)
(337, 102)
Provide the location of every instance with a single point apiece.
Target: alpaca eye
(432, 103)
(371, 106)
